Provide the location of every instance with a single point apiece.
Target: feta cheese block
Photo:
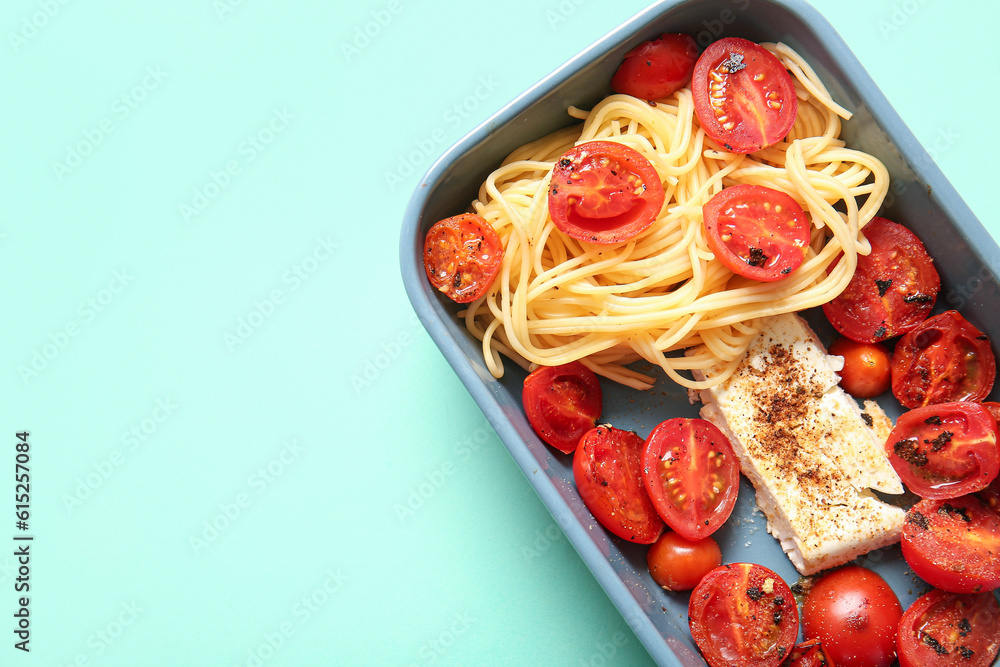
(812, 454)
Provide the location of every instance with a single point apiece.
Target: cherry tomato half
(945, 358)
(604, 192)
(606, 469)
(743, 614)
(678, 564)
(809, 654)
(953, 544)
(991, 494)
(757, 232)
(743, 96)
(562, 403)
(943, 629)
(462, 255)
(994, 409)
(692, 475)
(893, 288)
(657, 68)
(854, 613)
(866, 371)
(945, 450)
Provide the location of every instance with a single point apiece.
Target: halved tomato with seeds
(462, 256)
(743, 614)
(692, 475)
(943, 629)
(743, 96)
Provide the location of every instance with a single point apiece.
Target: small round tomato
(953, 544)
(657, 68)
(893, 288)
(462, 256)
(809, 654)
(991, 494)
(692, 475)
(994, 409)
(757, 232)
(943, 629)
(678, 564)
(866, 367)
(606, 469)
(854, 613)
(945, 450)
(743, 96)
(562, 403)
(743, 614)
(604, 192)
(945, 358)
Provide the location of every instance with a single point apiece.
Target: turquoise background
(245, 449)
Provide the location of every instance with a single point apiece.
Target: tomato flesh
(604, 192)
(657, 68)
(606, 469)
(809, 653)
(943, 359)
(743, 614)
(462, 256)
(757, 232)
(678, 564)
(893, 288)
(866, 372)
(954, 544)
(692, 475)
(945, 450)
(562, 403)
(942, 629)
(743, 96)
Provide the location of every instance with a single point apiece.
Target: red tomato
(604, 192)
(954, 544)
(949, 630)
(809, 654)
(945, 450)
(606, 468)
(943, 359)
(692, 475)
(462, 256)
(657, 68)
(991, 494)
(893, 288)
(743, 614)
(994, 409)
(866, 367)
(854, 613)
(562, 403)
(757, 232)
(743, 96)
(678, 564)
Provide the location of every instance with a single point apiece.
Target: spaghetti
(662, 296)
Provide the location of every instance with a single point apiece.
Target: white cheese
(804, 444)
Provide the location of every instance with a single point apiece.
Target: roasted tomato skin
(692, 475)
(893, 288)
(866, 372)
(604, 192)
(953, 544)
(757, 232)
(678, 564)
(943, 359)
(942, 629)
(854, 613)
(743, 96)
(562, 403)
(945, 450)
(606, 469)
(743, 614)
(462, 256)
(657, 68)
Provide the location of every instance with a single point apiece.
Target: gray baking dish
(966, 256)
